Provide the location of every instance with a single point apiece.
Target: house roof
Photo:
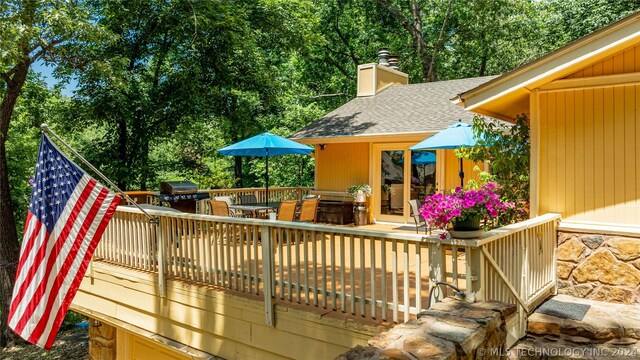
(508, 95)
(398, 109)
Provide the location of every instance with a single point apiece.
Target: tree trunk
(9, 247)
(122, 152)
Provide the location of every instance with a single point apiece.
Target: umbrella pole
(267, 178)
(461, 173)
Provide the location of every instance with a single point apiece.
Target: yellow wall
(590, 149)
(623, 62)
(387, 76)
(339, 166)
(365, 80)
(213, 321)
(451, 177)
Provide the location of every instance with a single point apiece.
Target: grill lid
(178, 187)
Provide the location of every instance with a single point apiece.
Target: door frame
(375, 177)
(376, 181)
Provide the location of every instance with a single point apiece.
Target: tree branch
(439, 43)
(345, 41)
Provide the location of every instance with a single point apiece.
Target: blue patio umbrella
(266, 145)
(457, 135)
(423, 158)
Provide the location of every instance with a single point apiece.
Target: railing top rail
(288, 225)
(257, 189)
(505, 231)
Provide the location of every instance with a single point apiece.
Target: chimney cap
(393, 62)
(383, 55)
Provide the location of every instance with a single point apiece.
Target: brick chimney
(373, 78)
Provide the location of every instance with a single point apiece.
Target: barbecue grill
(181, 195)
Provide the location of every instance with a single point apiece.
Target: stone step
(573, 347)
(603, 321)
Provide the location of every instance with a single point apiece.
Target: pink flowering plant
(439, 210)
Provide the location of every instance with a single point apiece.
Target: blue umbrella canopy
(266, 145)
(421, 158)
(455, 136)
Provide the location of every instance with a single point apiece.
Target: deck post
(162, 278)
(436, 270)
(267, 274)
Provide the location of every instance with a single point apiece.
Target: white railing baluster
(229, 253)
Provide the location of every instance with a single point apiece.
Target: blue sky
(47, 75)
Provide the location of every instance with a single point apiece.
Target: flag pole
(45, 129)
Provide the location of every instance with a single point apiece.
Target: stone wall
(451, 329)
(599, 267)
(102, 341)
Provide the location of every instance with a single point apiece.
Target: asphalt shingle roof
(397, 109)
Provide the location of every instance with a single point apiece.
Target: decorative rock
(361, 352)
(451, 330)
(429, 347)
(543, 324)
(613, 294)
(580, 290)
(563, 237)
(394, 354)
(564, 270)
(599, 330)
(636, 264)
(593, 241)
(604, 267)
(570, 250)
(505, 309)
(623, 341)
(579, 340)
(625, 248)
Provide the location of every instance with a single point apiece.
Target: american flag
(68, 213)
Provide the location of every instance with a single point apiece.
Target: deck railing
(373, 274)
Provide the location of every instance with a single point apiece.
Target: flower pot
(467, 229)
(468, 224)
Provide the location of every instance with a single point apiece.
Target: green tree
(30, 31)
(507, 148)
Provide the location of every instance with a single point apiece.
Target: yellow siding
(385, 77)
(365, 81)
(216, 322)
(339, 166)
(589, 140)
(626, 61)
(452, 179)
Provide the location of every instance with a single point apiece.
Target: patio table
(254, 208)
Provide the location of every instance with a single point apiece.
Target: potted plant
(463, 209)
(360, 193)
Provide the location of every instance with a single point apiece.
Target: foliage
(354, 189)
(507, 149)
(439, 210)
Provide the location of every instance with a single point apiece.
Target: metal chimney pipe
(383, 55)
(393, 62)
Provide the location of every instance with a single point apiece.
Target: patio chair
(415, 214)
(248, 199)
(309, 210)
(229, 201)
(287, 210)
(220, 208)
